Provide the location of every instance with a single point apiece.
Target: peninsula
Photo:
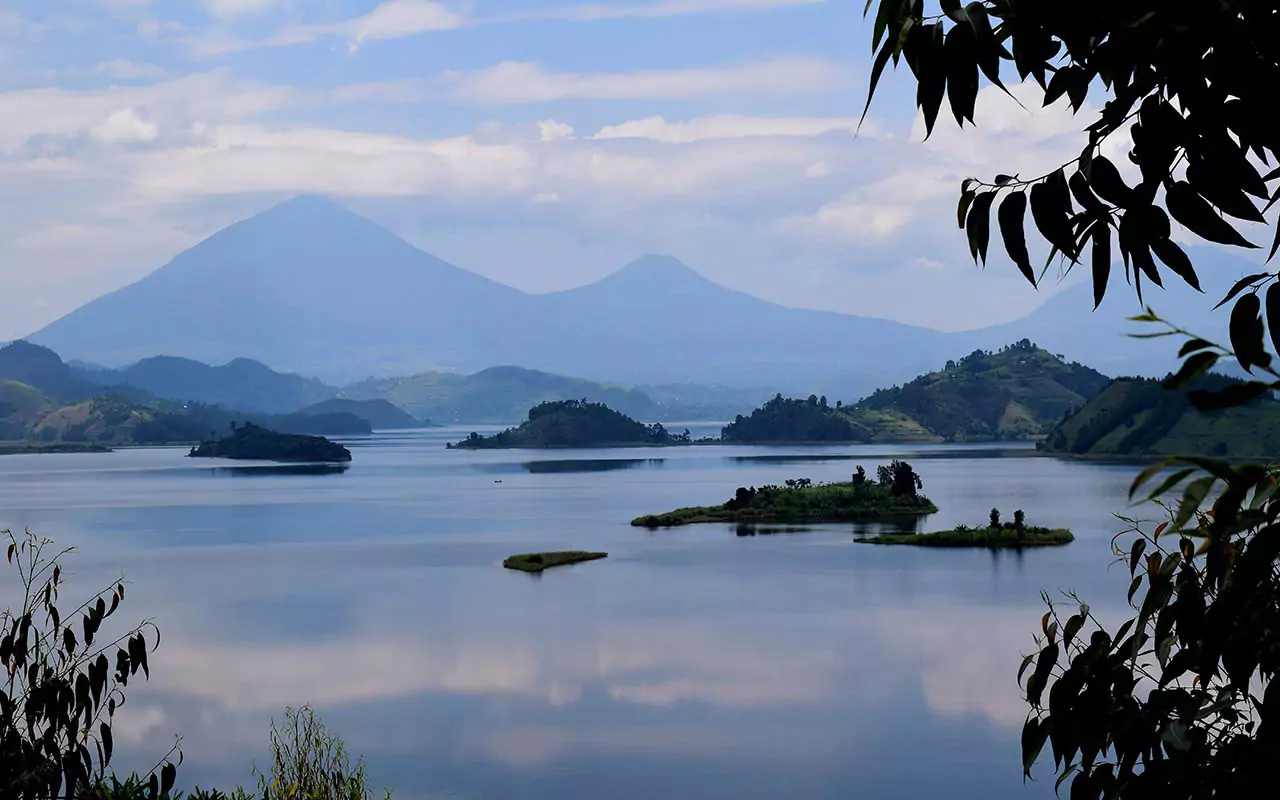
(895, 493)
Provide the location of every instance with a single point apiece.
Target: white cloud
(725, 127)
(590, 12)
(546, 197)
(401, 91)
(234, 8)
(514, 82)
(123, 69)
(549, 130)
(818, 169)
(125, 126)
(393, 19)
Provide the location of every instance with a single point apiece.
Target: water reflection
(691, 663)
(264, 470)
(591, 465)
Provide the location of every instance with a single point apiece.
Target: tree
(1179, 701)
(995, 518)
(1196, 82)
(900, 478)
(58, 690)
(1020, 523)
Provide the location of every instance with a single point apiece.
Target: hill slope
(310, 287)
(1139, 417)
(496, 396)
(43, 369)
(240, 384)
(1016, 393)
(380, 414)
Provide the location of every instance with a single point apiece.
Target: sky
(543, 143)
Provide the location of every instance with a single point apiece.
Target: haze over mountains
(311, 288)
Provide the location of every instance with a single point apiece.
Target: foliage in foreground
(63, 680)
(894, 493)
(1180, 701)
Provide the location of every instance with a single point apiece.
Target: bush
(58, 692)
(310, 762)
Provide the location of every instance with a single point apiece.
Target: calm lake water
(693, 663)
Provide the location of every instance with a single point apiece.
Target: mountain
(1017, 392)
(306, 286)
(241, 384)
(380, 414)
(43, 369)
(312, 288)
(498, 395)
(1139, 417)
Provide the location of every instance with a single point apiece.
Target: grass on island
(990, 538)
(30, 448)
(537, 562)
(894, 495)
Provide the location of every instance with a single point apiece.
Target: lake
(692, 663)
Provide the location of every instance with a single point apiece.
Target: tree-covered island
(995, 535)
(895, 493)
(248, 441)
(575, 423)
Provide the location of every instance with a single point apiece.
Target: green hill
(492, 396)
(21, 406)
(1139, 417)
(1019, 392)
(574, 423)
(783, 420)
(380, 414)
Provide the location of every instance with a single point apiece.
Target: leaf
(1240, 286)
(168, 774)
(1247, 332)
(1149, 472)
(1192, 369)
(1192, 345)
(1236, 394)
(877, 70)
(962, 72)
(1169, 483)
(1105, 181)
(1222, 192)
(1101, 261)
(978, 226)
(1194, 212)
(1192, 498)
(931, 75)
(1273, 315)
(1051, 211)
(105, 730)
(1176, 259)
(1034, 735)
(1012, 211)
(962, 211)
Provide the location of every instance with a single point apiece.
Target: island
(537, 562)
(995, 535)
(894, 494)
(250, 442)
(575, 423)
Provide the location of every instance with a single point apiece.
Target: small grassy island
(249, 441)
(995, 535)
(895, 493)
(574, 423)
(537, 562)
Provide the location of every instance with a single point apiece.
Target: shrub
(310, 762)
(58, 692)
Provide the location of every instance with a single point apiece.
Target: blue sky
(541, 143)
